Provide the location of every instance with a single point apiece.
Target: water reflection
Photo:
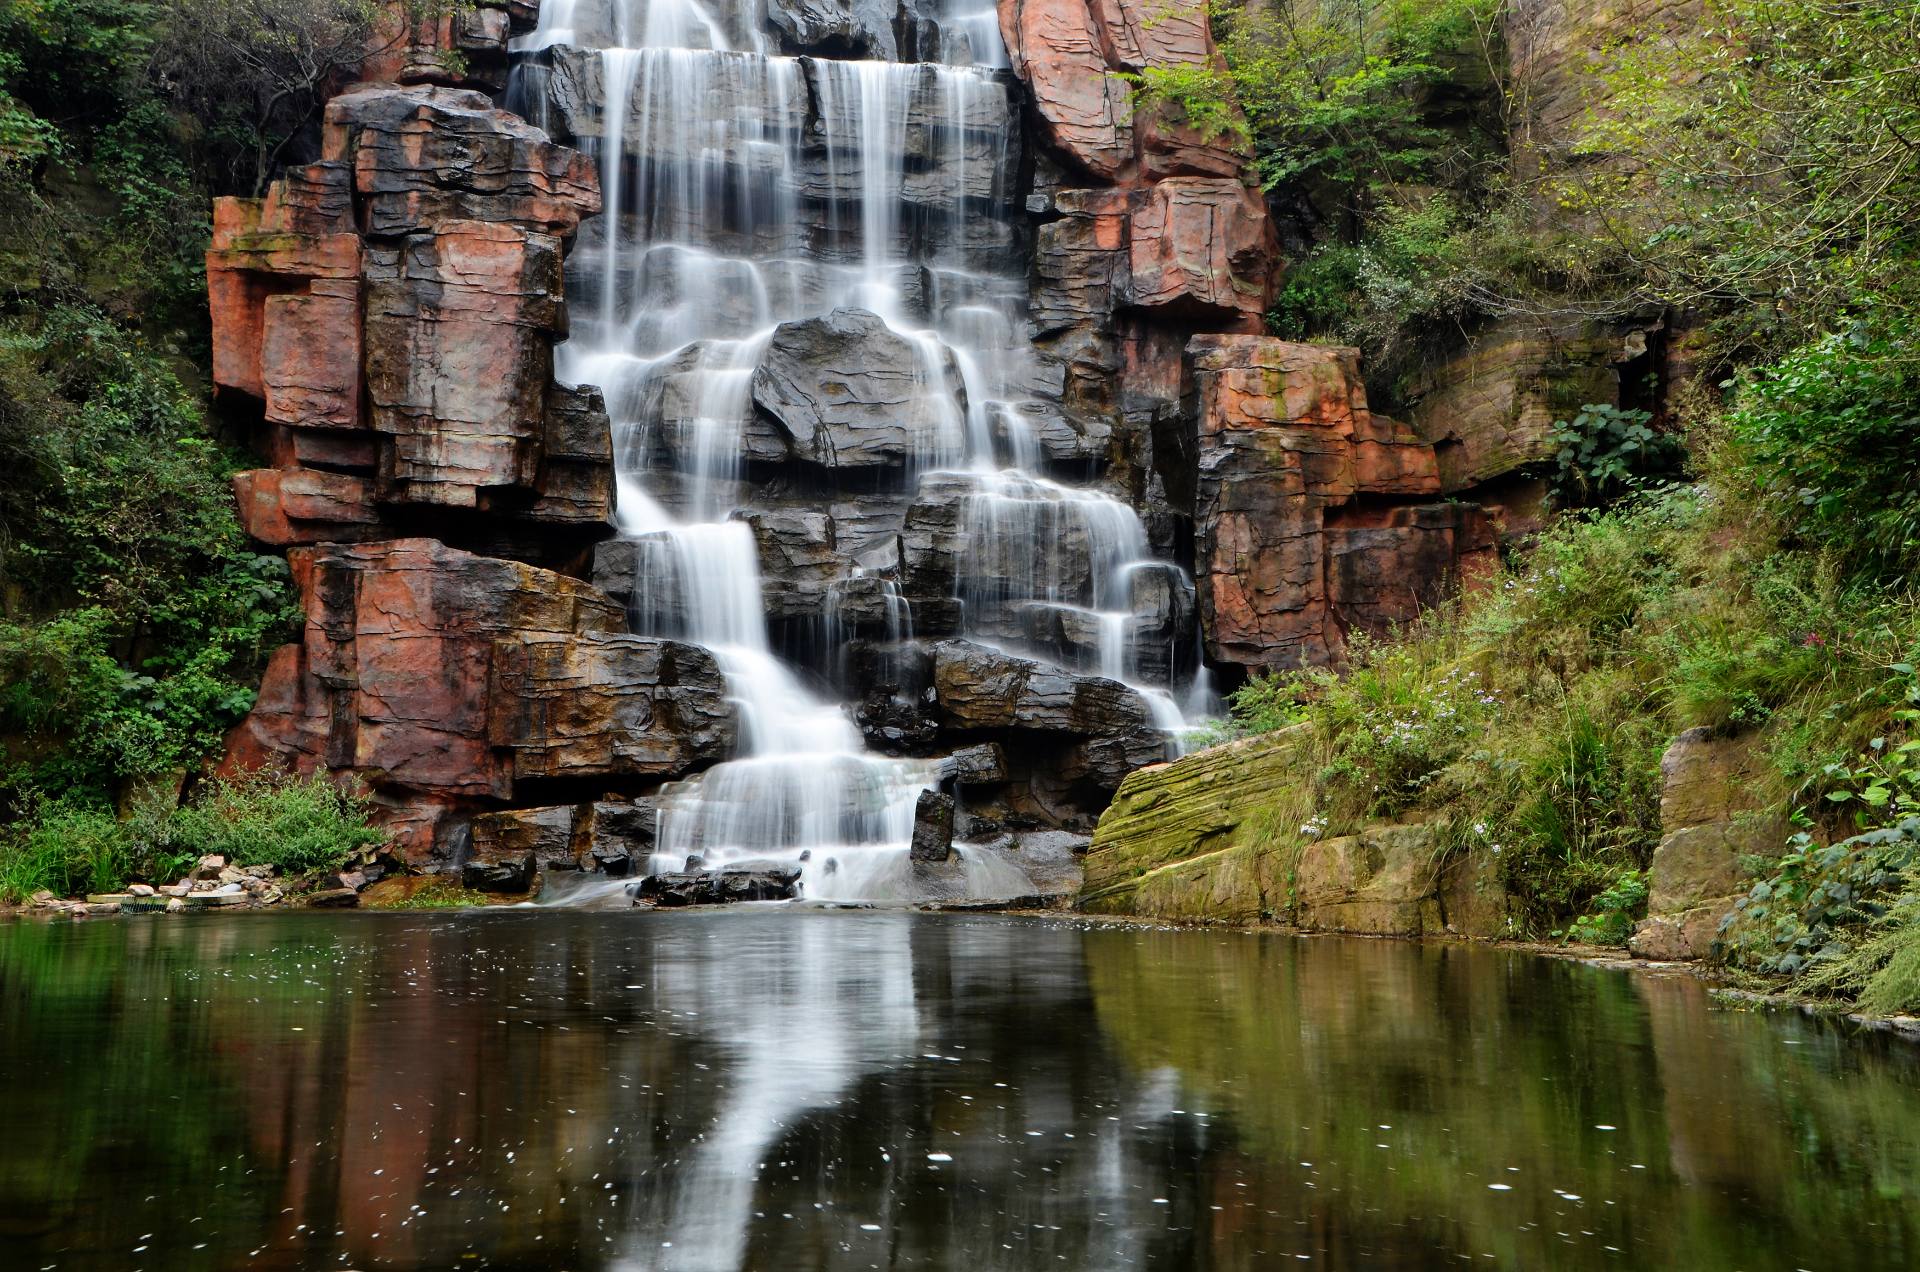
(784, 1090)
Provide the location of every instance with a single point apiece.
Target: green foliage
(1807, 910)
(1264, 704)
(151, 614)
(66, 851)
(1200, 97)
(134, 615)
(1777, 137)
(1333, 92)
(299, 825)
(1831, 435)
(1610, 919)
(1604, 452)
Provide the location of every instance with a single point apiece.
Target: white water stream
(727, 213)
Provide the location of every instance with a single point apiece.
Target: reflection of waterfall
(745, 190)
(785, 1057)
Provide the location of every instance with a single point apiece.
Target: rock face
(387, 315)
(390, 312)
(1711, 824)
(1229, 834)
(385, 323)
(445, 679)
(1314, 515)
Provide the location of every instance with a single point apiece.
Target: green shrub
(1604, 452)
(1809, 908)
(1610, 919)
(69, 852)
(1831, 434)
(299, 825)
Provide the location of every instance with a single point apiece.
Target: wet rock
(508, 847)
(424, 156)
(333, 899)
(856, 28)
(980, 688)
(616, 838)
(848, 392)
(722, 888)
(598, 706)
(932, 828)
(799, 561)
(981, 765)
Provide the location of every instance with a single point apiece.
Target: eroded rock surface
(1312, 511)
(444, 678)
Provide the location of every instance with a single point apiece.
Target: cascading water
(743, 190)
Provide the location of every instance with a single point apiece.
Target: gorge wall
(782, 432)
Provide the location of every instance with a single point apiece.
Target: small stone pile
(213, 884)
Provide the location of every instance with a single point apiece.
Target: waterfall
(744, 190)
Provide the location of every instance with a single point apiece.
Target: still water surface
(792, 1090)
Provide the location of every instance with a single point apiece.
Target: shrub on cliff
(1830, 435)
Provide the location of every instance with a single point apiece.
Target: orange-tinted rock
(1075, 57)
(288, 506)
(1295, 543)
(251, 262)
(1085, 108)
(417, 656)
(466, 45)
(310, 356)
(1203, 244)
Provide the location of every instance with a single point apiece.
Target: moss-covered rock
(1208, 836)
(1227, 835)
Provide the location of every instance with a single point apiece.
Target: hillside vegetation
(134, 614)
(1747, 569)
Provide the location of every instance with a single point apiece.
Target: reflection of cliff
(1480, 1061)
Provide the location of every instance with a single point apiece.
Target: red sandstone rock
(1075, 56)
(288, 506)
(400, 678)
(1085, 108)
(1289, 559)
(421, 156)
(460, 326)
(1203, 243)
(459, 47)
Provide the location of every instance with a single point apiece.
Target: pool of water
(784, 1089)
